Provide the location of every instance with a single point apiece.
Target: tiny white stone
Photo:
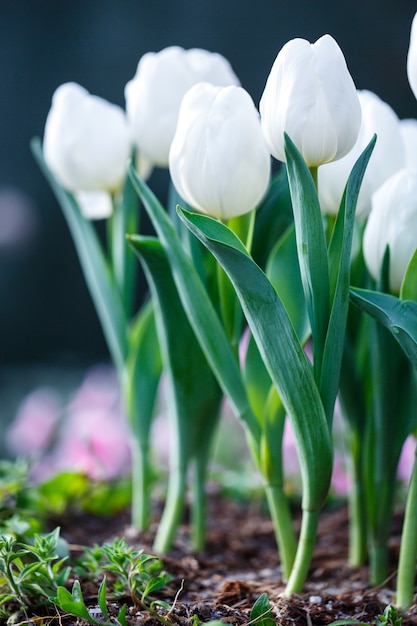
(315, 599)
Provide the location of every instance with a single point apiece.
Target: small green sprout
(389, 617)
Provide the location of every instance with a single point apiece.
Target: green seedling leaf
(281, 352)
(121, 618)
(73, 602)
(261, 612)
(155, 584)
(398, 316)
(102, 598)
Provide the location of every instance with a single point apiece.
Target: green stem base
(305, 548)
(283, 527)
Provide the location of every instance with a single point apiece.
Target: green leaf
(340, 249)
(125, 219)
(104, 292)
(398, 316)
(102, 598)
(143, 372)
(121, 618)
(73, 603)
(281, 352)
(199, 309)
(195, 390)
(155, 584)
(283, 270)
(409, 284)
(261, 614)
(311, 246)
(273, 216)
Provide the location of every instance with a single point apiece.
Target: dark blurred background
(46, 316)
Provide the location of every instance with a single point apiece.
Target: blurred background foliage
(45, 314)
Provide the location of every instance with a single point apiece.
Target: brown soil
(241, 562)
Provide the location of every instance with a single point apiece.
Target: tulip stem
(173, 511)
(305, 548)
(314, 175)
(198, 505)
(283, 527)
(357, 522)
(140, 487)
(408, 548)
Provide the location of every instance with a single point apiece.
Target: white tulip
(412, 57)
(310, 95)
(86, 141)
(387, 157)
(219, 161)
(153, 96)
(392, 222)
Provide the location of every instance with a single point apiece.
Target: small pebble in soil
(315, 599)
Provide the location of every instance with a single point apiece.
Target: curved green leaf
(409, 283)
(340, 249)
(311, 246)
(281, 352)
(196, 393)
(104, 292)
(199, 308)
(398, 316)
(283, 271)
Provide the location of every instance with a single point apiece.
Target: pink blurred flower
(407, 459)
(34, 426)
(91, 437)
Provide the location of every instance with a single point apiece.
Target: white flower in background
(412, 57)
(219, 161)
(408, 128)
(387, 157)
(392, 222)
(154, 95)
(86, 141)
(310, 95)
(95, 205)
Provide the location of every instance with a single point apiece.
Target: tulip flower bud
(310, 95)
(154, 95)
(412, 57)
(86, 141)
(392, 222)
(387, 157)
(219, 161)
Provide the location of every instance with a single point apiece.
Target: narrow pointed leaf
(125, 219)
(273, 217)
(398, 316)
(283, 271)
(311, 246)
(281, 351)
(409, 283)
(199, 308)
(339, 265)
(104, 292)
(143, 371)
(195, 390)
